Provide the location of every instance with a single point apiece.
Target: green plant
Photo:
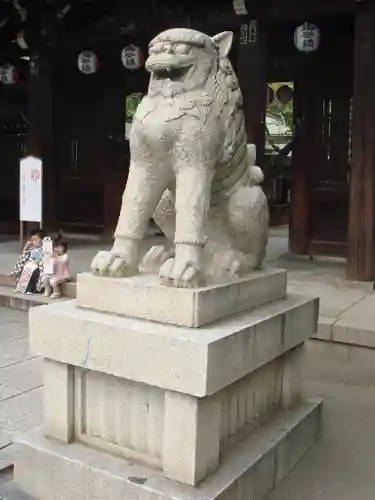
(281, 113)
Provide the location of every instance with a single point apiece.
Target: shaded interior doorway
(91, 150)
(279, 150)
(319, 171)
(13, 143)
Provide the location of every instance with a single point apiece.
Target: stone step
(6, 280)
(15, 300)
(9, 491)
(255, 467)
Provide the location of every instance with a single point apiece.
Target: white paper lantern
(88, 62)
(8, 74)
(239, 7)
(307, 38)
(132, 57)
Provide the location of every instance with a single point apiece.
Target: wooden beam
(290, 9)
(361, 237)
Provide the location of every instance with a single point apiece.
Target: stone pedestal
(144, 409)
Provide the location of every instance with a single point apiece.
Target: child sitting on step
(61, 274)
(29, 267)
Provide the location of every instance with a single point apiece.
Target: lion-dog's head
(181, 60)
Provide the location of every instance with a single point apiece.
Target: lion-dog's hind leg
(248, 219)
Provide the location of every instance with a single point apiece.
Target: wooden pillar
(302, 161)
(41, 136)
(252, 74)
(361, 234)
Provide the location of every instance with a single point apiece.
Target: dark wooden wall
(321, 153)
(13, 142)
(91, 153)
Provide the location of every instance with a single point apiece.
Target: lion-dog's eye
(182, 48)
(156, 48)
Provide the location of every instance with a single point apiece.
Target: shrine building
(72, 73)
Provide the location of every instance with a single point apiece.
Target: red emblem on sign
(35, 175)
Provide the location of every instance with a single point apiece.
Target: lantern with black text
(8, 74)
(307, 38)
(132, 57)
(88, 62)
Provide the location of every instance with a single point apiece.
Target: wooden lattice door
(330, 180)
(321, 159)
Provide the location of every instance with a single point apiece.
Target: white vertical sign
(31, 180)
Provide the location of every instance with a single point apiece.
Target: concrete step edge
(69, 289)
(11, 299)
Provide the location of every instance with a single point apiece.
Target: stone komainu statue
(191, 169)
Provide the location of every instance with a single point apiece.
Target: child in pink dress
(52, 282)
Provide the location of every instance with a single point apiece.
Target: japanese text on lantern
(131, 57)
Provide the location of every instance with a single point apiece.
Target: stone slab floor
(21, 382)
(339, 467)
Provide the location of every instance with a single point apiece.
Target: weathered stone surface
(48, 470)
(192, 437)
(182, 435)
(192, 370)
(325, 328)
(198, 362)
(58, 395)
(23, 412)
(143, 297)
(10, 491)
(173, 398)
(190, 160)
(5, 436)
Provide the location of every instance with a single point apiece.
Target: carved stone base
(166, 411)
(143, 297)
(194, 361)
(48, 470)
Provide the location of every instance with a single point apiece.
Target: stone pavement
(339, 467)
(20, 382)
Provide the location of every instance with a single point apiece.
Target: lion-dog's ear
(224, 42)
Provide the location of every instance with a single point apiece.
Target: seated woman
(28, 270)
